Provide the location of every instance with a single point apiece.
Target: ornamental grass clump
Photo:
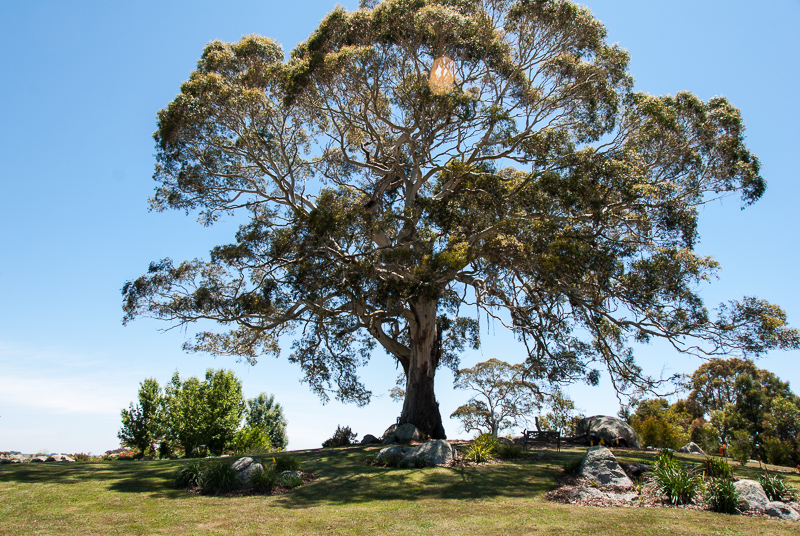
(509, 451)
(776, 488)
(675, 482)
(482, 448)
(721, 495)
(219, 477)
(718, 468)
(285, 463)
(190, 474)
(264, 481)
(573, 466)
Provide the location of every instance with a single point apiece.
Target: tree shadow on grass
(152, 478)
(346, 478)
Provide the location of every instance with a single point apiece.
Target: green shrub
(721, 495)
(291, 481)
(741, 447)
(190, 474)
(509, 451)
(393, 460)
(286, 463)
(776, 488)
(778, 452)
(664, 458)
(219, 477)
(342, 437)
(251, 439)
(482, 448)
(717, 468)
(572, 466)
(676, 483)
(264, 481)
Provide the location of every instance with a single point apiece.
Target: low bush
(676, 483)
(482, 448)
(219, 477)
(342, 437)
(572, 466)
(286, 463)
(290, 481)
(190, 474)
(664, 458)
(509, 451)
(776, 488)
(264, 481)
(721, 495)
(717, 468)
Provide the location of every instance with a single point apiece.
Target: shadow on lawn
(345, 478)
(153, 478)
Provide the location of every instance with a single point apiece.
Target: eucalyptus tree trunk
(420, 407)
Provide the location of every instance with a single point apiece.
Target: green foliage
(286, 463)
(717, 468)
(679, 485)
(482, 449)
(777, 452)
(204, 416)
(342, 437)
(664, 458)
(264, 481)
(263, 411)
(572, 466)
(219, 476)
(721, 495)
(705, 435)
(741, 447)
(560, 417)
(290, 481)
(660, 425)
(252, 440)
(776, 488)
(190, 474)
(508, 451)
(504, 398)
(143, 423)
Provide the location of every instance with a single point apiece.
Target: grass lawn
(349, 497)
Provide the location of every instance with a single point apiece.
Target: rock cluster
(753, 498)
(692, 448)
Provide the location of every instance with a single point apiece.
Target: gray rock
(600, 465)
(291, 474)
(405, 433)
(38, 459)
(436, 452)
(610, 429)
(369, 439)
(586, 493)
(388, 434)
(692, 448)
(242, 463)
(751, 495)
(782, 511)
(636, 469)
(248, 471)
(390, 452)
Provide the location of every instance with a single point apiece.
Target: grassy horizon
(348, 497)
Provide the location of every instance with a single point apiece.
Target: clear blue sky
(82, 82)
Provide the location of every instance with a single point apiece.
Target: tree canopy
(542, 192)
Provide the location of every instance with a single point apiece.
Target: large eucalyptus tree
(540, 191)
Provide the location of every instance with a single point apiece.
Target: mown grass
(349, 497)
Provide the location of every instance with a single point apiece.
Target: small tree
(204, 413)
(264, 412)
(504, 398)
(560, 417)
(142, 423)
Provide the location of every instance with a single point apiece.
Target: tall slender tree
(540, 190)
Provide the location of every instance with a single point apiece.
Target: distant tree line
(731, 404)
(195, 417)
